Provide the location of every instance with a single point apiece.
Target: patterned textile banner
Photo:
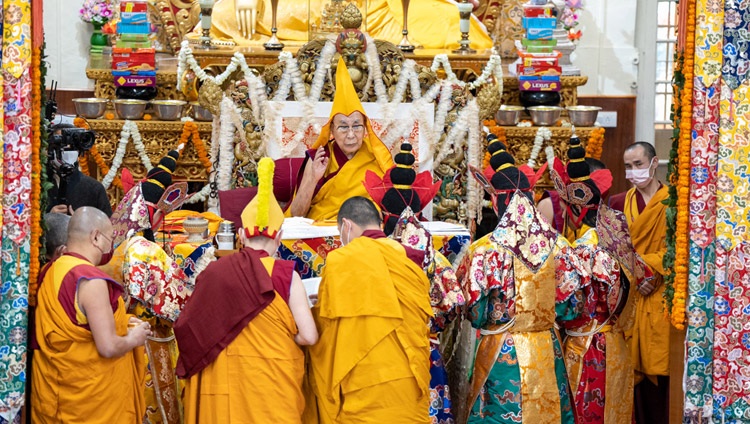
(16, 58)
(717, 341)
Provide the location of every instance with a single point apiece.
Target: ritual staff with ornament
(644, 207)
(86, 340)
(240, 334)
(334, 169)
(509, 278)
(402, 194)
(371, 364)
(598, 301)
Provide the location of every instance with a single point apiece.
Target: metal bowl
(583, 116)
(168, 110)
(200, 113)
(130, 108)
(508, 115)
(90, 107)
(545, 116)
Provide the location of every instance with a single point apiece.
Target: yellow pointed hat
(345, 102)
(263, 215)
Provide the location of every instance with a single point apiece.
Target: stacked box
(134, 57)
(539, 69)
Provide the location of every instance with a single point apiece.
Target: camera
(64, 141)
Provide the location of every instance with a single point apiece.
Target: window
(666, 39)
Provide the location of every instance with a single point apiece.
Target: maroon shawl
(228, 294)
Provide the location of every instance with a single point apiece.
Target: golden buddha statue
(433, 24)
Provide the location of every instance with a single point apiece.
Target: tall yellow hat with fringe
(263, 215)
(345, 102)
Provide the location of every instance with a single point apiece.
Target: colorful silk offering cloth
(509, 276)
(15, 189)
(309, 245)
(159, 288)
(595, 307)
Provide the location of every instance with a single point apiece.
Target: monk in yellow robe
(646, 214)
(89, 366)
(372, 362)
(347, 147)
(433, 24)
(239, 334)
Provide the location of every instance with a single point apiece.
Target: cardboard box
(547, 43)
(539, 23)
(539, 84)
(133, 17)
(134, 37)
(531, 11)
(135, 81)
(539, 70)
(133, 6)
(132, 44)
(133, 28)
(539, 33)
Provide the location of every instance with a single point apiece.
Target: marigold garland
(94, 153)
(499, 133)
(595, 143)
(190, 132)
(36, 170)
(681, 241)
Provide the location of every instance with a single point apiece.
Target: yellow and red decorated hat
(263, 215)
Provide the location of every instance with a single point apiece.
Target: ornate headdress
(146, 203)
(401, 188)
(345, 102)
(263, 215)
(576, 184)
(502, 178)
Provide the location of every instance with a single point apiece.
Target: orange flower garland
(94, 152)
(595, 143)
(190, 131)
(683, 180)
(36, 172)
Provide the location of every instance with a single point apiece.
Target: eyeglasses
(358, 129)
(109, 239)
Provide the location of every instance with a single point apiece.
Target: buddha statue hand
(246, 12)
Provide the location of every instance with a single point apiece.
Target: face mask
(106, 257)
(70, 156)
(639, 177)
(348, 235)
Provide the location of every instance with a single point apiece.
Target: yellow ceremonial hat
(263, 215)
(345, 102)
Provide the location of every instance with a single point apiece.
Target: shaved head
(361, 211)
(84, 221)
(648, 149)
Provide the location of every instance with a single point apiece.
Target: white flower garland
(442, 60)
(542, 134)
(213, 202)
(129, 130)
(493, 68)
(226, 144)
(375, 73)
(474, 192)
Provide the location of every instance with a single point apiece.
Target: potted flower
(98, 13)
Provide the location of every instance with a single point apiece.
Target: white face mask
(639, 177)
(70, 156)
(348, 234)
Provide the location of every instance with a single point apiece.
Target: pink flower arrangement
(96, 11)
(569, 18)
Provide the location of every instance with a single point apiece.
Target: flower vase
(98, 39)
